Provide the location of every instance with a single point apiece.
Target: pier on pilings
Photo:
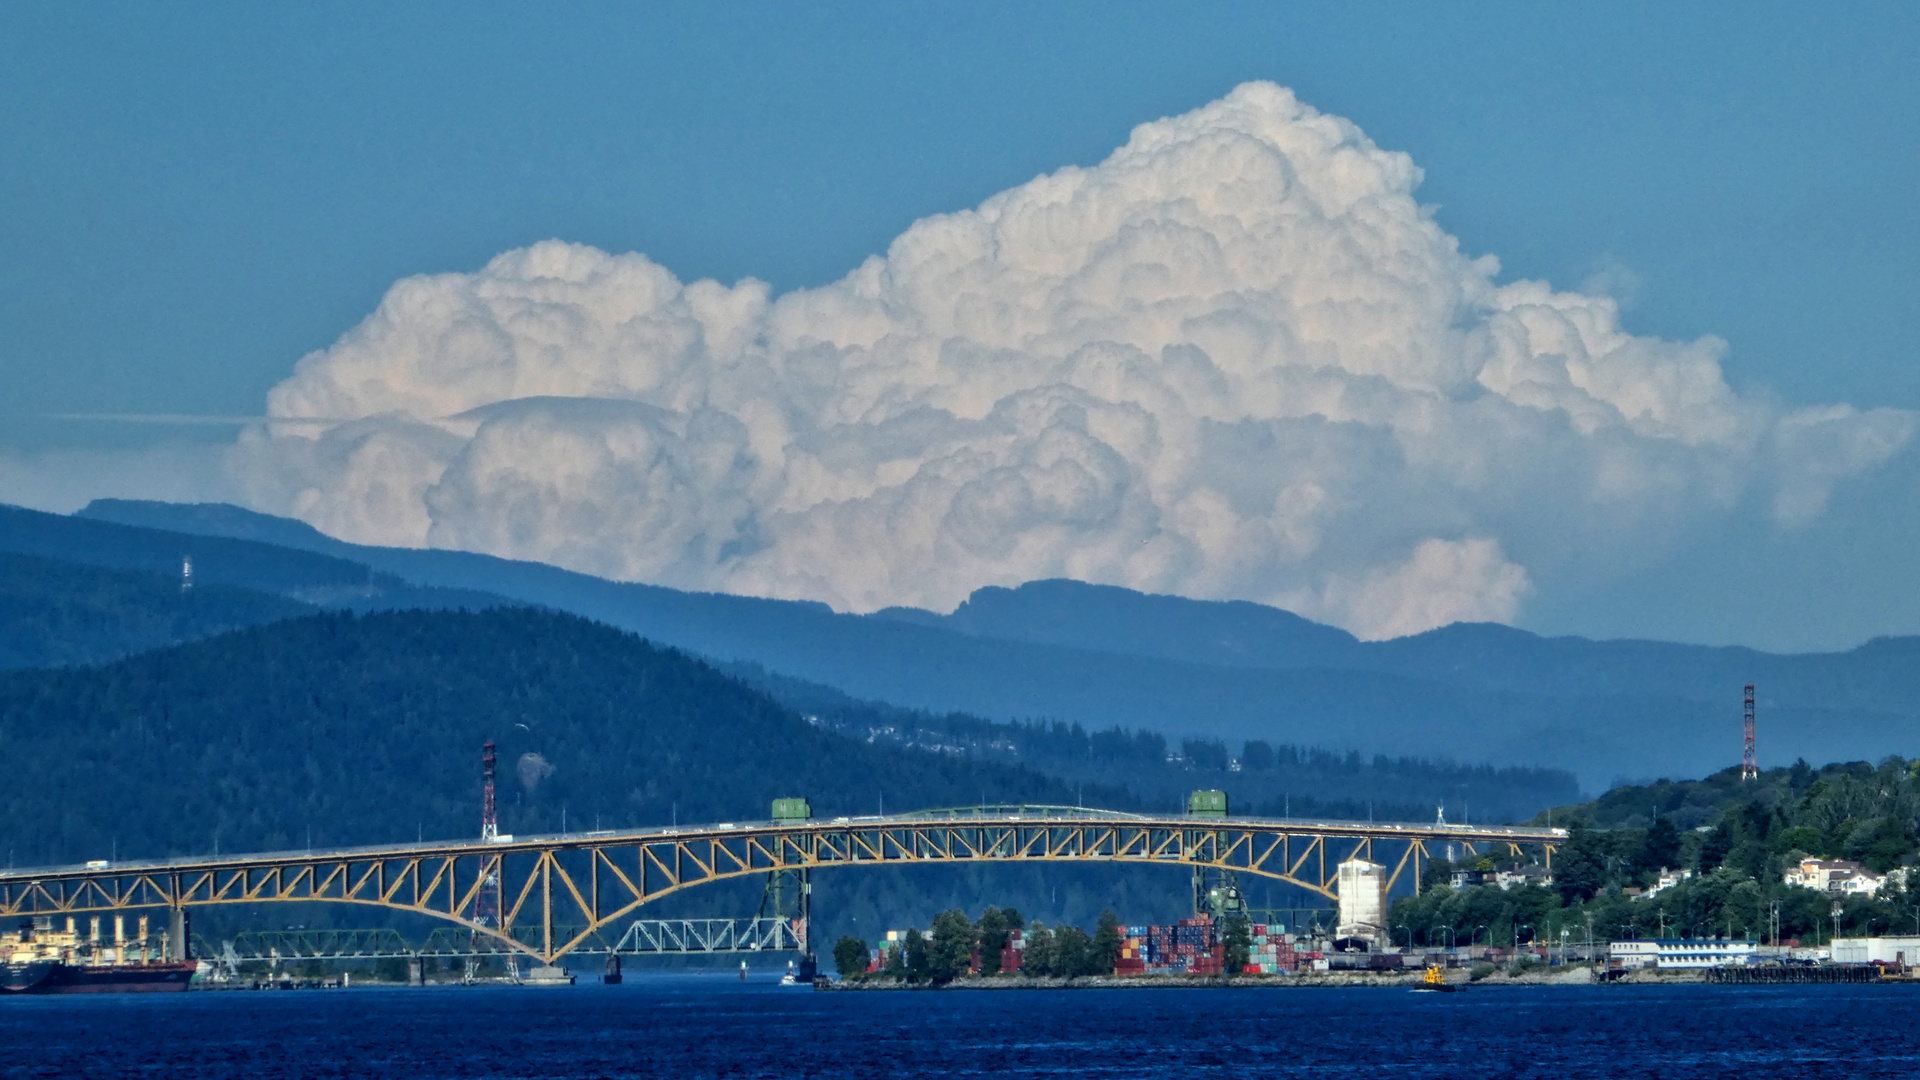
(1820, 973)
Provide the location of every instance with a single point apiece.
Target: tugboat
(804, 974)
(1435, 982)
(37, 959)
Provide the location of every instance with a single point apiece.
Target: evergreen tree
(850, 957)
(992, 932)
(914, 958)
(950, 952)
(1039, 956)
(1661, 849)
(1236, 942)
(1718, 845)
(1580, 870)
(1073, 952)
(1107, 940)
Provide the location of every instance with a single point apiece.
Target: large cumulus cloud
(1235, 359)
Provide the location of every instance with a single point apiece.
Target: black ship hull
(51, 977)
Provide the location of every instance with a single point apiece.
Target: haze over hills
(1103, 657)
(62, 613)
(55, 613)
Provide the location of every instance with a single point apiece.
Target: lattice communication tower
(1749, 768)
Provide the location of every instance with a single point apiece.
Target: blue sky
(192, 197)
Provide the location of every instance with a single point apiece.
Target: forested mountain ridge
(299, 575)
(1103, 656)
(55, 613)
(63, 613)
(352, 729)
(1260, 778)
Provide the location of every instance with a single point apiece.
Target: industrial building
(1363, 900)
(1681, 953)
(1877, 950)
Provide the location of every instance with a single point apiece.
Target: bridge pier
(179, 945)
(794, 812)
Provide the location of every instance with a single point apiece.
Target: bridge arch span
(562, 890)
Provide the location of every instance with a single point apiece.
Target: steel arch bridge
(581, 883)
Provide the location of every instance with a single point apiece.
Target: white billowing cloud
(61, 481)
(1235, 359)
(1443, 581)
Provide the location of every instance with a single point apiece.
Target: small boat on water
(1435, 982)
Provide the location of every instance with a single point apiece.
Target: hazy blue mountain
(1103, 656)
(1260, 778)
(291, 572)
(1105, 618)
(55, 613)
(1878, 674)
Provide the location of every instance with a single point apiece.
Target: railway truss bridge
(548, 896)
(641, 937)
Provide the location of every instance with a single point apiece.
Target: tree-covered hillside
(1736, 838)
(303, 576)
(55, 613)
(1856, 810)
(1260, 778)
(366, 729)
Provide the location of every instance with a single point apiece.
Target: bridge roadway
(519, 890)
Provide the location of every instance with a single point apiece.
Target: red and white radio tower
(1749, 768)
(486, 906)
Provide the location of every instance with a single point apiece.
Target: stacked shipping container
(1188, 947)
(1272, 951)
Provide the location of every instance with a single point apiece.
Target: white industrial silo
(1363, 900)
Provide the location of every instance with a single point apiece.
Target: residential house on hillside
(1668, 879)
(1524, 875)
(1840, 877)
(1506, 879)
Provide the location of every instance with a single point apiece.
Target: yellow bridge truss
(586, 881)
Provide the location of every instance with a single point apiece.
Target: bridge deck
(589, 880)
(1425, 831)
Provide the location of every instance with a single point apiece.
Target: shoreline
(1341, 980)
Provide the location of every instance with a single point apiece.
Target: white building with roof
(1680, 953)
(1841, 877)
(1668, 879)
(1877, 950)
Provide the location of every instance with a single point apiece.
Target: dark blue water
(710, 1026)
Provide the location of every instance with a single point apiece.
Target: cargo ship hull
(57, 978)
